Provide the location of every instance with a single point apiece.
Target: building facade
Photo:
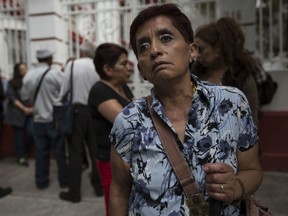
(62, 25)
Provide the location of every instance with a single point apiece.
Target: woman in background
(106, 99)
(19, 114)
(224, 60)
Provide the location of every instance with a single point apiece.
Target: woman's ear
(108, 70)
(194, 52)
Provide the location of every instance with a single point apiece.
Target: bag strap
(68, 97)
(174, 155)
(71, 82)
(39, 84)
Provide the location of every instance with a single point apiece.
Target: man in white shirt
(84, 76)
(45, 136)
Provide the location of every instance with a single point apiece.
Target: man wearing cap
(45, 136)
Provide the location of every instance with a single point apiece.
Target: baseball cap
(43, 53)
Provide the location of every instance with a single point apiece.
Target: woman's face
(162, 51)
(121, 70)
(207, 55)
(22, 69)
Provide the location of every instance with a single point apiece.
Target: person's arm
(249, 173)
(120, 186)
(110, 109)
(26, 110)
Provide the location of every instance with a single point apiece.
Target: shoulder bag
(253, 207)
(39, 85)
(63, 114)
(194, 199)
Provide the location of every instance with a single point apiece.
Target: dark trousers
(82, 134)
(47, 139)
(22, 142)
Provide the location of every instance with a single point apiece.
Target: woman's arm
(120, 187)
(26, 110)
(110, 109)
(249, 173)
(11, 94)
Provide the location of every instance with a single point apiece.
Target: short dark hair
(177, 17)
(107, 53)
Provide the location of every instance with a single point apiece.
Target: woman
(212, 125)
(224, 60)
(19, 114)
(106, 99)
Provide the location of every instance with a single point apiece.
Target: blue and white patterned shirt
(219, 124)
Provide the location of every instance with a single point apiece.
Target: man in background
(84, 76)
(42, 96)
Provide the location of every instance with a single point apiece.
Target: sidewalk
(26, 199)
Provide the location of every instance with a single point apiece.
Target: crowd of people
(99, 92)
(204, 91)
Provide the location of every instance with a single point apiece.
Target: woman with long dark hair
(224, 60)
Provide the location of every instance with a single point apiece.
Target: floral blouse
(219, 124)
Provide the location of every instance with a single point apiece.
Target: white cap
(43, 53)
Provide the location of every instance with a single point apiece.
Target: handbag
(63, 114)
(194, 199)
(253, 207)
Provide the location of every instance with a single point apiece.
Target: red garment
(105, 172)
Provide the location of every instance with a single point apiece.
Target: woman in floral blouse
(213, 127)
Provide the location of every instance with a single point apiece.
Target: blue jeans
(47, 139)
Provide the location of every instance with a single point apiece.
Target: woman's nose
(155, 49)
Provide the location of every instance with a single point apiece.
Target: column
(46, 28)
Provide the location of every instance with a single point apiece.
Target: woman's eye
(166, 38)
(143, 47)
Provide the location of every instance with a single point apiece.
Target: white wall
(46, 29)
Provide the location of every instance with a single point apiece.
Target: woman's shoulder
(101, 88)
(133, 111)
(211, 88)
(220, 93)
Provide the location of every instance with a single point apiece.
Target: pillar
(46, 28)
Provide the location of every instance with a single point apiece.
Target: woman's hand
(27, 110)
(220, 181)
